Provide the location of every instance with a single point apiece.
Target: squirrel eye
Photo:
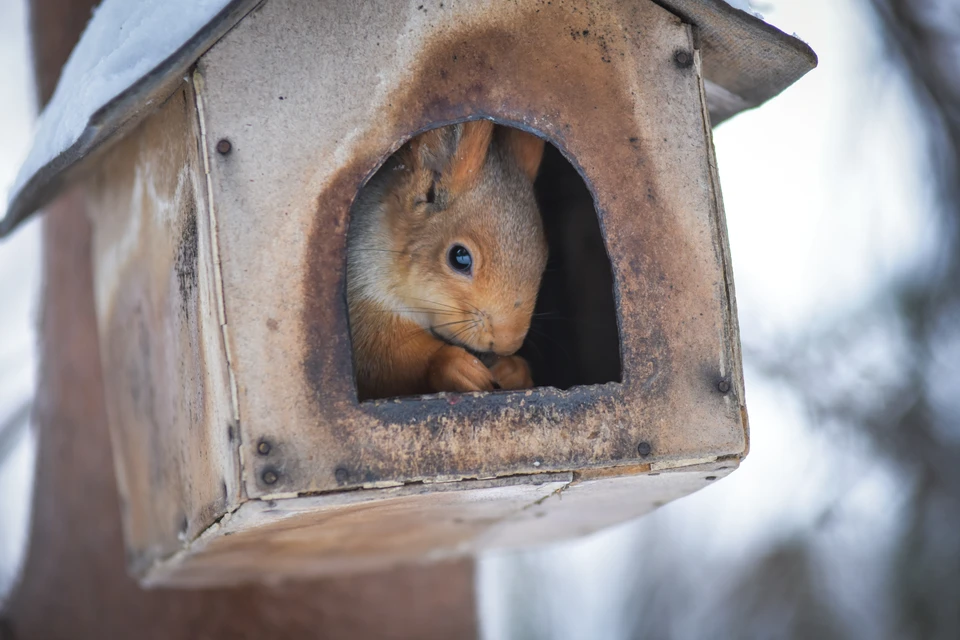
(460, 259)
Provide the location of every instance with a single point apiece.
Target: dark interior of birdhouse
(573, 336)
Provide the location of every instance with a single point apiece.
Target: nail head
(224, 147)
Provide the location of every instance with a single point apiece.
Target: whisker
(534, 346)
(553, 340)
(455, 336)
(418, 310)
(443, 305)
(474, 307)
(447, 324)
(462, 331)
(402, 253)
(413, 333)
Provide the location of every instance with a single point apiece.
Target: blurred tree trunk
(74, 584)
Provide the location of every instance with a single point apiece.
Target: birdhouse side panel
(164, 364)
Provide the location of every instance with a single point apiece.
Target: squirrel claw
(511, 373)
(454, 369)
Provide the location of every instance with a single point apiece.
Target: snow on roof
(132, 50)
(128, 52)
(124, 40)
(743, 5)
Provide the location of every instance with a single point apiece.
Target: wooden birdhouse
(220, 187)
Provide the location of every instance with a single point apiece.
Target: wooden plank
(165, 368)
(599, 500)
(380, 529)
(351, 532)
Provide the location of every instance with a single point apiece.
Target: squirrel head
(467, 247)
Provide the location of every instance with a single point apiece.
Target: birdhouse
(219, 188)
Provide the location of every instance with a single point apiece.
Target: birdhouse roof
(133, 55)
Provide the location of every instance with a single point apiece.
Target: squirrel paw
(512, 372)
(454, 369)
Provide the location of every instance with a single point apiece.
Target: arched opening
(476, 262)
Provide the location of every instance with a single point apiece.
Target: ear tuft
(526, 149)
(456, 153)
(470, 155)
(430, 150)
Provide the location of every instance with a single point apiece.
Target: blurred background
(842, 198)
(19, 288)
(843, 203)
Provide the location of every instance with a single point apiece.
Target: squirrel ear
(469, 156)
(456, 152)
(526, 149)
(429, 150)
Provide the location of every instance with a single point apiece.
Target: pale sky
(19, 282)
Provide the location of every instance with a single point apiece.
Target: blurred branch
(892, 398)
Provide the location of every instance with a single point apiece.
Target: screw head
(683, 59)
(224, 147)
(269, 477)
(263, 448)
(342, 475)
(644, 449)
(723, 386)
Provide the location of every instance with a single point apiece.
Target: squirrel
(445, 253)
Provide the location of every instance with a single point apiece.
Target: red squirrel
(445, 254)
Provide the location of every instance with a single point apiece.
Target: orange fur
(471, 155)
(414, 320)
(526, 148)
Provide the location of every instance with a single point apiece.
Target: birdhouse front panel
(617, 88)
